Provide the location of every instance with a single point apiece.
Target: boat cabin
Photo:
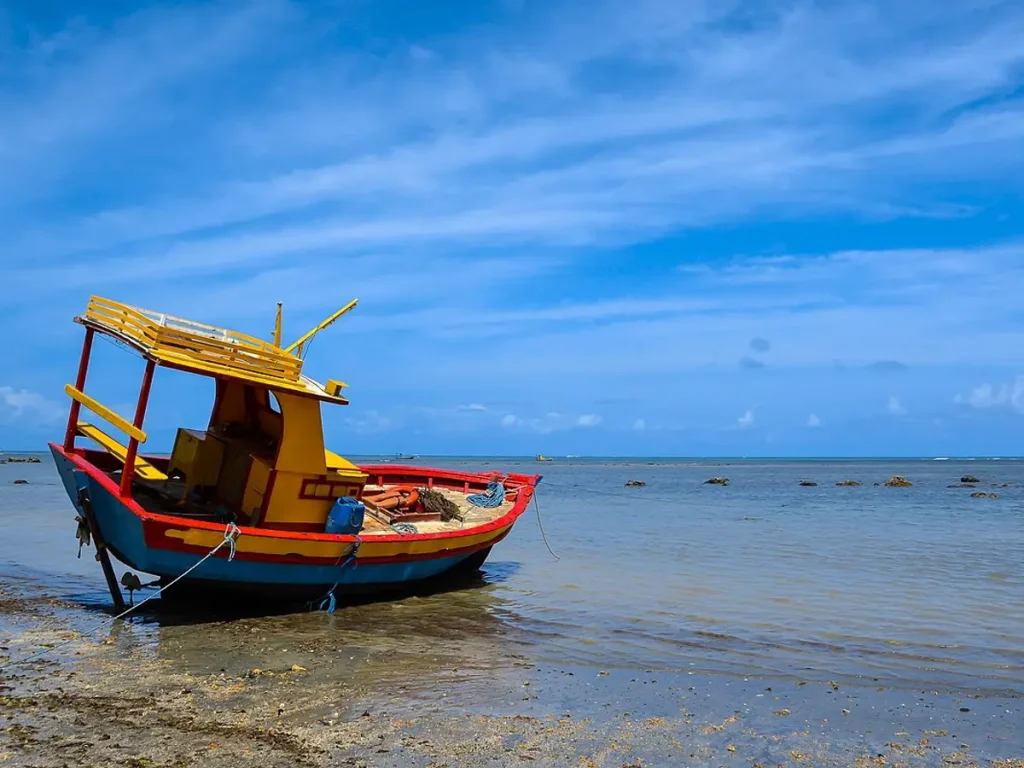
(261, 460)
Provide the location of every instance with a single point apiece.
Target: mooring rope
(540, 525)
(329, 600)
(231, 534)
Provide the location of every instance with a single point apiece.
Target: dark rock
(21, 482)
(808, 484)
(717, 481)
(962, 485)
(969, 479)
(898, 481)
(635, 483)
(848, 483)
(983, 495)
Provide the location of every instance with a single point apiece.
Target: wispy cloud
(565, 201)
(746, 420)
(813, 421)
(895, 407)
(26, 404)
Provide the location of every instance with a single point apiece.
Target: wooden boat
(283, 515)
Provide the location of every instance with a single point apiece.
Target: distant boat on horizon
(402, 456)
(542, 457)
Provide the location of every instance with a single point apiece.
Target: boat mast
(277, 327)
(306, 337)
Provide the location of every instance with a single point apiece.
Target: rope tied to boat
(329, 599)
(494, 496)
(231, 534)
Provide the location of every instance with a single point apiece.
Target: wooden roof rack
(203, 349)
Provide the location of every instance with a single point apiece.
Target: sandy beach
(134, 696)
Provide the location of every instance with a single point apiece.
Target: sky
(662, 227)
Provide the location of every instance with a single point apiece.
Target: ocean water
(914, 587)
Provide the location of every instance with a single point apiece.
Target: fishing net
(437, 503)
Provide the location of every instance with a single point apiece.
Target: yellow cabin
(262, 455)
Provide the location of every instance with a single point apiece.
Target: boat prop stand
(101, 549)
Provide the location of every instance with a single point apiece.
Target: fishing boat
(542, 457)
(255, 502)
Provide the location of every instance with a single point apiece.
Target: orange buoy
(399, 497)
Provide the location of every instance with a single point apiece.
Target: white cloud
(473, 407)
(746, 420)
(733, 126)
(588, 420)
(813, 420)
(509, 420)
(443, 176)
(894, 407)
(639, 424)
(24, 403)
(988, 396)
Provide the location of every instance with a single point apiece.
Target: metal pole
(133, 444)
(76, 407)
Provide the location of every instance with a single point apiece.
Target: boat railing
(105, 413)
(186, 342)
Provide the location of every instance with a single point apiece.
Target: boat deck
(164, 497)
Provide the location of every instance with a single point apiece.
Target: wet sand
(306, 690)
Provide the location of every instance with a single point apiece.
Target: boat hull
(274, 563)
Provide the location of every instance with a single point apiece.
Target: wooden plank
(268, 379)
(143, 468)
(105, 413)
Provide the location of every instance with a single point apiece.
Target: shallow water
(910, 587)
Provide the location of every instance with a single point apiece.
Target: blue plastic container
(346, 516)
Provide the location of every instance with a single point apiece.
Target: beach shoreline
(121, 697)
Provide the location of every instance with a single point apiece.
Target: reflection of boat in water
(285, 515)
(542, 457)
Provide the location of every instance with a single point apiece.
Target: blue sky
(659, 227)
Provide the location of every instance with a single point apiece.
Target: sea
(870, 611)
(917, 586)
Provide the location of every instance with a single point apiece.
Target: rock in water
(969, 479)
(717, 481)
(983, 495)
(848, 483)
(808, 484)
(635, 484)
(21, 482)
(898, 481)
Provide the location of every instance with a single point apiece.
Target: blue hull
(122, 531)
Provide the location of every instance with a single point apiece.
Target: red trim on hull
(155, 540)
(524, 484)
